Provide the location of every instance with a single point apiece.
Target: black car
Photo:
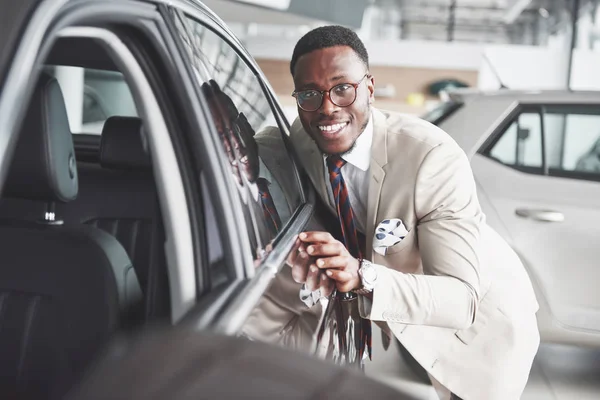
(158, 220)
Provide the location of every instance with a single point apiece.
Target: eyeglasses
(342, 95)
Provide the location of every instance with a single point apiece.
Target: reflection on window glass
(236, 79)
(261, 170)
(590, 160)
(573, 141)
(521, 143)
(93, 108)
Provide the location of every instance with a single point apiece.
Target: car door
(252, 132)
(540, 173)
(221, 264)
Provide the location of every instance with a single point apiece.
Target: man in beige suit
(451, 291)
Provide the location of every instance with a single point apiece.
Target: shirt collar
(360, 155)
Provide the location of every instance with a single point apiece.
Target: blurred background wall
(418, 47)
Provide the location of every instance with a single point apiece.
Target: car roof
(529, 96)
(16, 14)
(13, 17)
(482, 112)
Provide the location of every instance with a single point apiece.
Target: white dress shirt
(356, 176)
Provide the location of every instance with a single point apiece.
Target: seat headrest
(44, 165)
(123, 144)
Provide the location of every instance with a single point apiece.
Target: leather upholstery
(44, 166)
(120, 197)
(60, 305)
(135, 236)
(123, 144)
(64, 289)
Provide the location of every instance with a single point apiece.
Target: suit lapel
(312, 160)
(377, 175)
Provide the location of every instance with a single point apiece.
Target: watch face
(369, 273)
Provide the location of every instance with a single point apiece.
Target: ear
(371, 87)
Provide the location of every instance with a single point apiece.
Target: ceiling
(500, 21)
(237, 12)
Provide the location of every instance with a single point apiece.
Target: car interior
(81, 236)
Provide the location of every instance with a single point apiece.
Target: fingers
(300, 267)
(327, 285)
(344, 281)
(327, 249)
(294, 252)
(316, 237)
(314, 252)
(291, 258)
(338, 262)
(298, 259)
(312, 278)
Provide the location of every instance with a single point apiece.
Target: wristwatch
(368, 277)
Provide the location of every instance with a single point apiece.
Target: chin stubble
(353, 145)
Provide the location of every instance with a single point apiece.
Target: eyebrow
(314, 86)
(338, 77)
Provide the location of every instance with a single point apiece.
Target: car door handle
(540, 215)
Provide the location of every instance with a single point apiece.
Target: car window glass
(573, 141)
(440, 113)
(521, 143)
(261, 169)
(92, 96)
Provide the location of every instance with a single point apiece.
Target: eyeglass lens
(341, 95)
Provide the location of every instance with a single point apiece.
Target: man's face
(334, 129)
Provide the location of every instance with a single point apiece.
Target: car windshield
(441, 112)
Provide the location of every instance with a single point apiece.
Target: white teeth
(336, 127)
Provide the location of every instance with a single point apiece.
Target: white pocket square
(388, 233)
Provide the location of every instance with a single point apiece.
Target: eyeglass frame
(322, 93)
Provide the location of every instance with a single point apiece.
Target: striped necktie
(360, 335)
(342, 203)
(268, 206)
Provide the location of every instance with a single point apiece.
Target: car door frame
(250, 291)
(48, 21)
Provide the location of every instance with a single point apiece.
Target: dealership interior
(427, 53)
(236, 184)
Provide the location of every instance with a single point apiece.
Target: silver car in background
(536, 160)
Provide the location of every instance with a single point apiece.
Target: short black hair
(329, 36)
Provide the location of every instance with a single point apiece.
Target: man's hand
(333, 257)
(304, 270)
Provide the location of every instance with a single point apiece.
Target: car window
(441, 112)
(573, 140)
(92, 96)
(520, 145)
(261, 170)
(554, 140)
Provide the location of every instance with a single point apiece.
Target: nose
(327, 108)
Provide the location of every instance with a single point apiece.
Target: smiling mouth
(333, 129)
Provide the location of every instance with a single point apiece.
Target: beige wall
(406, 80)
